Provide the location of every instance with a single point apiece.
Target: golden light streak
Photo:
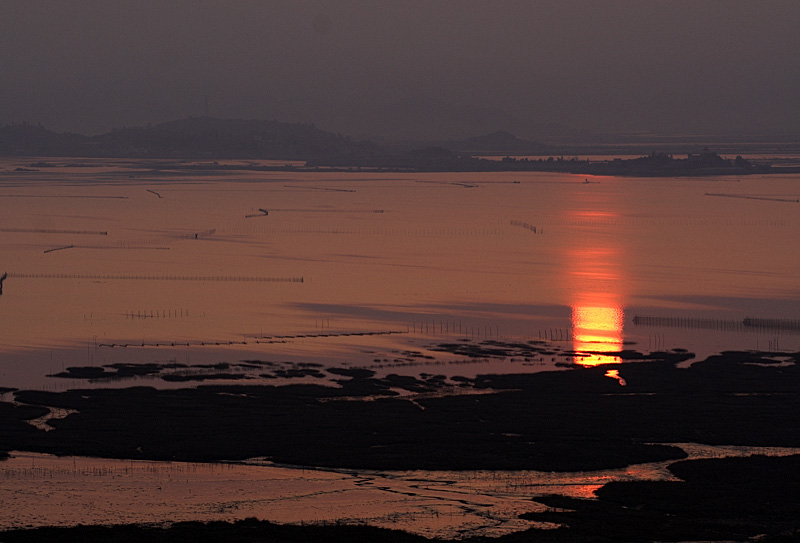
(596, 331)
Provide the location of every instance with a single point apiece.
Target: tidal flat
(568, 422)
(573, 342)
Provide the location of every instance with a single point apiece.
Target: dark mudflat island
(656, 164)
(572, 420)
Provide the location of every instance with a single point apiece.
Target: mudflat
(561, 421)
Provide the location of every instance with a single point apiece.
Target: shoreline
(566, 421)
(654, 165)
(441, 505)
(405, 422)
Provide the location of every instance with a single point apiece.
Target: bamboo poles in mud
(131, 277)
(253, 340)
(262, 213)
(772, 324)
(140, 247)
(330, 334)
(668, 222)
(453, 327)
(556, 334)
(72, 196)
(689, 322)
(453, 183)
(51, 231)
(487, 331)
(49, 467)
(54, 249)
(328, 189)
(527, 226)
(656, 342)
(323, 210)
(774, 345)
(442, 231)
(747, 324)
(749, 197)
(156, 314)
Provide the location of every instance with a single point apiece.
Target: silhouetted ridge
(209, 138)
(196, 137)
(27, 139)
(206, 137)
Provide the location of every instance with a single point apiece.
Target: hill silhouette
(195, 137)
(211, 139)
(26, 139)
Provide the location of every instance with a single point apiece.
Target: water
(44, 490)
(125, 262)
(114, 261)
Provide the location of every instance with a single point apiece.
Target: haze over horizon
(407, 69)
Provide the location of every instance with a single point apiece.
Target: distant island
(195, 138)
(439, 159)
(207, 138)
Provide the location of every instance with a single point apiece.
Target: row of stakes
(453, 328)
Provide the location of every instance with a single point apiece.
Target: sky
(395, 69)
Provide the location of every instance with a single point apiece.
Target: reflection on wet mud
(66, 491)
(597, 331)
(614, 374)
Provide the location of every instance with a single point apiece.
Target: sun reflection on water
(596, 275)
(596, 332)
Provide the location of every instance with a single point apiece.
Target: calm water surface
(114, 261)
(118, 262)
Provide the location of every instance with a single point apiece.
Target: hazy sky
(431, 68)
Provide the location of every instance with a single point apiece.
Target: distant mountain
(206, 137)
(26, 139)
(209, 138)
(196, 137)
(499, 142)
(431, 121)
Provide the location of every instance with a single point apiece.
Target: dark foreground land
(559, 421)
